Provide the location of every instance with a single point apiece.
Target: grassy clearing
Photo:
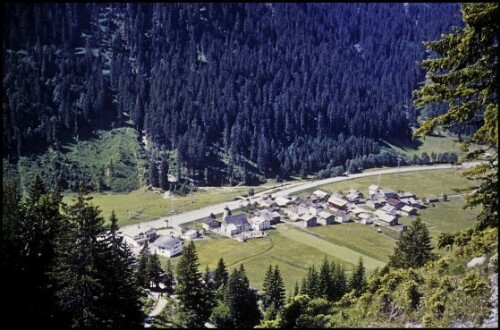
(424, 183)
(338, 251)
(360, 238)
(433, 143)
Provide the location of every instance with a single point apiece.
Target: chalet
(373, 189)
(389, 209)
(386, 218)
(325, 218)
(266, 202)
(310, 207)
(365, 218)
(209, 223)
(259, 223)
(337, 203)
(341, 216)
(374, 203)
(235, 224)
(357, 210)
(354, 196)
(321, 194)
(413, 203)
(387, 193)
(293, 213)
(297, 201)
(167, 246)
(306, 220)
(273, 217)
(282, 201)
(396, 203)
(408, 210)
(406, 195)
(138, 235)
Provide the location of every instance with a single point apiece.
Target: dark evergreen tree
(414, 247)
(189, 288)
(154, 176)
(241, 300)
(168, 277)
(358, 280)
(164, 184)
(154, 270)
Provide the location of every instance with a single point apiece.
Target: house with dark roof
(210, 223)
(166, 246)
(306, 220)
(235, 224)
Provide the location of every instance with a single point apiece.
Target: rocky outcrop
(492, 320)
(476, 262)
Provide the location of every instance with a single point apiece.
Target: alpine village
(250, 165)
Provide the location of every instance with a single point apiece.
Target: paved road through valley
(177, 219)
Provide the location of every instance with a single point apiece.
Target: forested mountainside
(280, 88)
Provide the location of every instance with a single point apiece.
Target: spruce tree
(154, 269)
(79, 282)
(358, 280)
(465, 79)
(121, 303)
(189, 288)
(220, 278)
(267, 288)
(168, 278)
(164, 184)
(325, 279)
(414, 247)
(241, 300)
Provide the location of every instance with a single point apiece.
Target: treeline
(284, 88)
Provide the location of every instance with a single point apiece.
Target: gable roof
(337, 201)
(166, 242)
(237, 220)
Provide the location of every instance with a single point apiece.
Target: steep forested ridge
(287, 88)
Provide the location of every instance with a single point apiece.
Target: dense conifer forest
(230, 89)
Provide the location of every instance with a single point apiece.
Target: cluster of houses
(381, 207)
(164, 245)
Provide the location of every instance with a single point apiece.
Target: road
(178, 219)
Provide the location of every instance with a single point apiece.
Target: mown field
(424, 184)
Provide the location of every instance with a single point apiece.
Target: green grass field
(424, 184)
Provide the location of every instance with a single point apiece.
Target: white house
(259, 223)
(386, 218)
(167, 246)
(341, 216)
(373, 189)
(282, 201)
(273, 217)
(138, 235)
(408, 210)
(306, 220)
(337, 203)
(325, 218)
(321, 194)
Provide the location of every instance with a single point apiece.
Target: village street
(177, 219)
